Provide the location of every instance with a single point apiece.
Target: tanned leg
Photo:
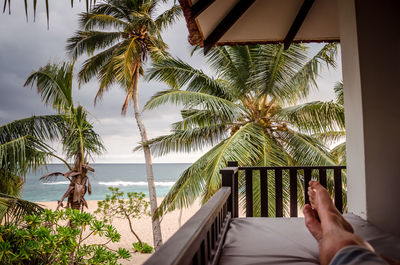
(327, 225)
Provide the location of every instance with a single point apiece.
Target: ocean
(127, 177)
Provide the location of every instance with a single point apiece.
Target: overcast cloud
(27, 46)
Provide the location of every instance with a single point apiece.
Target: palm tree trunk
(157, 238)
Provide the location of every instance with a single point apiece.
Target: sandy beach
(169, 225)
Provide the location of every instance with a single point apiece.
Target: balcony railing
(200, 240)
(305, 173)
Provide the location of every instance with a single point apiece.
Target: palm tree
(246, 113)
(23, 148)
(124, 33)
(79, 141)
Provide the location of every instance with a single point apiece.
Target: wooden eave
(196, 37)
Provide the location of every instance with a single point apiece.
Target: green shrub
(142, 249)
(117, 206)
(42, 239)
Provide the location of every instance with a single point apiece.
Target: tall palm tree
(79, 141)
(246, 112)
(124, 33)
(23, 148)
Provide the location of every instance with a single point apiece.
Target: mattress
(255, 240)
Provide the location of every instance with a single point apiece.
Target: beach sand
(169, 225)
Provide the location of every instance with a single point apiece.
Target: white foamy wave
(57, 183)
(135, 183)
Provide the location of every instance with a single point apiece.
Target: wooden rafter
(199, 7)
(227, 22)
(298, 21)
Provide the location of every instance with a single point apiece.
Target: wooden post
(235, 191)
(229, 179)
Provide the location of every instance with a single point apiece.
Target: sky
(26, 46)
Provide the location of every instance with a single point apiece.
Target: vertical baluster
(227, 181)
(235, 191)
(278, 193)
(203, 253)
(208, 246)
(196, 259)
(236, 195)
(249, 193)
(322, 177)
(264, 192)
(212, 239)
(218, 225)
(307, 178)
(215, 233)
(338, 189)
(293, 192)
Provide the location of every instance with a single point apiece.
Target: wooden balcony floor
(287, 241)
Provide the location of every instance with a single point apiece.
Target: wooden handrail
(200, 239)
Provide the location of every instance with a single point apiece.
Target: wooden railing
(230, 179)
(199, 241)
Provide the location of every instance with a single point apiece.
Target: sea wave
(57, 183)
(135, 183)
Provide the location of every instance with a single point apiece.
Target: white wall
(370, 39)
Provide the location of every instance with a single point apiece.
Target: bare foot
(312, 222)
(321, 201)
(331, 231)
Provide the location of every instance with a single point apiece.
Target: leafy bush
(145, 248)
(42, 239)
(135, 206)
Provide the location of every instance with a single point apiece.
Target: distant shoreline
(51, 204)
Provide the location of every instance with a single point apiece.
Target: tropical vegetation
(119, 36)
(339, 151)
(23, 148)
(79, 140)
(249, 111)
(132, 207)
(42, 239)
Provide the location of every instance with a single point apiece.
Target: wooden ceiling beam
(199, 7)
(298, 21)
(227, 22)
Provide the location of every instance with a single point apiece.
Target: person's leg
(327, 225)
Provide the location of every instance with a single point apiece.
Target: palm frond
(339, 93)
(187, 140)
(51, 177)
(7, 3)
(41, 127)
(330, 137)
(13, 209)
(191, 99)
(90, 21)
(315, 117)
(54, 84)
(87, 42)
(178, 74)
(168, 17)
(305, 150)
(339, 153)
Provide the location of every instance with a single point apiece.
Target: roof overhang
(230, 22)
